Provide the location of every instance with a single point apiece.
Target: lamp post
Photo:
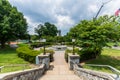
(44, 40)
(73, 40)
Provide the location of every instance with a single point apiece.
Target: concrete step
(60, 77)
(59, 69)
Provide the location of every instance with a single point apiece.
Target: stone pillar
(37, 60)
(73, 59)
(43, 59)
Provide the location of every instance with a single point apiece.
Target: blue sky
(63, 13)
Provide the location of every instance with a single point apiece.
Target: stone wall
(87, 74)
(31, 74)
(73, 59)
(92, 75)
(43, 59)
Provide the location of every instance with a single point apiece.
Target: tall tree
(13, 25)
(93, 35)
(47, 29)
(40, 30)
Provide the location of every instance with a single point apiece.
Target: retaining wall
(31, 74)
(87, 74)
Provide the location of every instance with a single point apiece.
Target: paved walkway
(59, 69)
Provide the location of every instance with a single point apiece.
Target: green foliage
(34, 37)
(12, 23)
(49, 51)
(40, 44)
(101, 69)
(23, 45)
(27, 54)
(93, 35)
(55, 39)
(47, 29)
(59, 39)
(89, 53)
(50, 39)
(37, 44)
(51, 54)
(8, 56)
(68, 51)
(108, 57)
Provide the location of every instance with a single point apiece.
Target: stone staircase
(59, 69)
(60, 72)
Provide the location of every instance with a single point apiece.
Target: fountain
(59, 47)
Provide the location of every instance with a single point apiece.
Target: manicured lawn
(113, 43)
(9, 58)
(108, 57)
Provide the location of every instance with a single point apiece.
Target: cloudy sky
(63, 13)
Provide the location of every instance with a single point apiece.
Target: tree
(34, 37)
(47, 29)
(40, 30)
(93, 35)
(12, 23)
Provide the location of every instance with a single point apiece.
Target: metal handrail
(114, 70)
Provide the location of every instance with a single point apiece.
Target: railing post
(73, 59)
(44, 59)
(1, 68)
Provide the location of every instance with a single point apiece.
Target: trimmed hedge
(68, 51)
(27, 54)
(66, 54)
(40, 44)
(89, 53)
(51, 53)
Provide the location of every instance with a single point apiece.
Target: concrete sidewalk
(59, 69)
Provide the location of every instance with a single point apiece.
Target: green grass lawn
(108, 57)
(9, 58)
(113, 43)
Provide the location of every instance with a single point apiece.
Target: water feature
(59, 47)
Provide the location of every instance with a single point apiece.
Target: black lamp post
(44, 40)
(73, 40)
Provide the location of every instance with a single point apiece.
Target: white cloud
(64, 22)
(63, 13)
(31, 25)
(92, 8)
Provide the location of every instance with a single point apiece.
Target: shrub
(89, 53)
(51, 54)
(40, 44)
(37, 44)
(49, 51)
(68, 51)
(66, 54)
(23, 44)
(68, 43)
(27, 54)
